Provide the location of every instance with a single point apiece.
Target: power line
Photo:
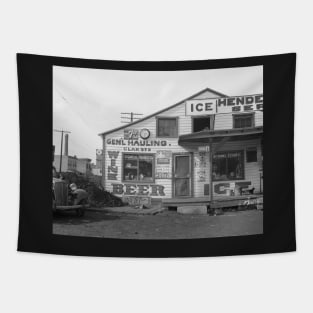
(129, 117)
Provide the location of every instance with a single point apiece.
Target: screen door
(182, 175)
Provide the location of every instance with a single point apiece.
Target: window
(138, 167)
(202, 123)
(167, 127)
(251, 155)
(243, 120)
(228, 166)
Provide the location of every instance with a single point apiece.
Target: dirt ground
(165, 225)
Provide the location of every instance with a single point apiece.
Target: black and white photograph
(157, 154)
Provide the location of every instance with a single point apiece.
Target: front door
(182, 175)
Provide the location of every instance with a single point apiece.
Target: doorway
(182, 175)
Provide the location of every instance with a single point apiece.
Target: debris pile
(97, 196)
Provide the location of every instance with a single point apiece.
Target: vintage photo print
(157, 154)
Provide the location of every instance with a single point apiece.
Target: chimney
(66, 145)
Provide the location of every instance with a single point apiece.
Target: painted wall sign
(163, 157)
(200, 175)
(163, 175)
(137, 200)
(200, 160)
(138, 143)
(113, 168)
(163, 161)
(131, 134)
(221, 188)
(225, 105)
(136, 133)
(163, 172)
(200, 164)
(163, 168)
(240, 104)
(135, 189)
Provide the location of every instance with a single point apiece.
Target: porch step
(222, 202)
(195, 209)
(185, 201)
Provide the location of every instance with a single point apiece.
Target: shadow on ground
(70, 218)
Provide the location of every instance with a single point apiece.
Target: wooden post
(211, 170)
(103, 179)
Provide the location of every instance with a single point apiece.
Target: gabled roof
(163, 110)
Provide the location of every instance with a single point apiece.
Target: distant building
(69, 163)
(84, 166)
(73, 164)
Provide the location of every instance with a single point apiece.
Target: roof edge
(221, 132)
(163, 110)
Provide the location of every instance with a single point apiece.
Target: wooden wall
(222, 121)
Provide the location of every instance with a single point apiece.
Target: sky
(87, 102)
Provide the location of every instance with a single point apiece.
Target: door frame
(191, 179)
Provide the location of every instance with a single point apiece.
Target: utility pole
(129, 117)
(62, 132)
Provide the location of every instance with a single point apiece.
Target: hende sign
(224, 105)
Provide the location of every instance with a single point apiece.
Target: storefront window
(228, 166)
(167, 127)
(138, 167)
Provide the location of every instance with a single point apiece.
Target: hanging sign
(201, 107)
(163, 156)
(204, 148)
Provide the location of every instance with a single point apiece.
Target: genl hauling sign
(225, 105)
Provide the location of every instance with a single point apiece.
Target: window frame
(157, 118)
(137, 181)
(251, 114)
(243, 165)
(212, 120)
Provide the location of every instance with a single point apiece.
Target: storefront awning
(214, 136)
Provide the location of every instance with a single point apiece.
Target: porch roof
(208, 136)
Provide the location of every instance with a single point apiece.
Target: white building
(206, 146)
